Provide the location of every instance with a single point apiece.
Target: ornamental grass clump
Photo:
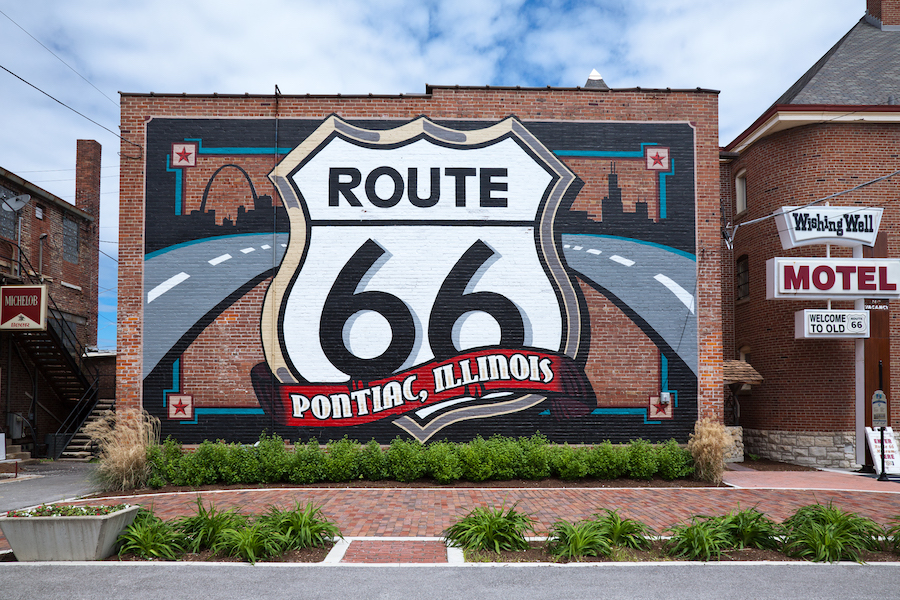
(252, 542)
(150, 537)
(302, 526)
(751, 529)
(491, 529)
(124, 438)
(707, 445)
(576, 540)
(202, 530)
(622, 531)
(701, 539)
(827, 534)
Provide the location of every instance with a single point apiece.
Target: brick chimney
(884, 14)
(87, 198)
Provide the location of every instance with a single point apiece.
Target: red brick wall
(697, 107)
(809, 384)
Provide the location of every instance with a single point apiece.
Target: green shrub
(302, 527)
(535, 457)
(195, 469)
(642, 463)
(274, 459)
(625, 532)
(203, 529)
(701, 539)
(373, 462)
(507, 457)
(150, 537)
(475, 458)
(341, 461)
(570, 463)
(576, 540)
(252, 542)
(406, 460)
(442, 462)
(491, 529)
(674, 462)
(751, 529)
(606, 461)
(306, 463)
(828, 534)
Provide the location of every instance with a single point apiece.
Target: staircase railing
(66, 337)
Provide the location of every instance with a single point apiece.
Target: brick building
(467, 261)
(45, 377)
(834, 129)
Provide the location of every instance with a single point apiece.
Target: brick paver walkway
(426, 512)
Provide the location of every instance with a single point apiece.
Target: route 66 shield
(423, 282)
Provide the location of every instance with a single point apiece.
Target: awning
(739, 371)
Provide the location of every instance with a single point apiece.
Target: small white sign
(873, 437)
(879, 410)
(835, 324)
(837, 225)
(832, 278)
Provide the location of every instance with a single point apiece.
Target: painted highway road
(656, 282)
(207, 272)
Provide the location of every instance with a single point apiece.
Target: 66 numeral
(450, 304)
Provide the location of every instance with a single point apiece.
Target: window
(70, 240)
(742, 277)
(38, 211)
(740, 192)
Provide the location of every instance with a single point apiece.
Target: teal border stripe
(606, 153)
(222, 411)
(176, 381)
(178, 185)
(693, 257)
(662, 188)
(236, 149)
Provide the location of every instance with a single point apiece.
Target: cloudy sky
(751, 51)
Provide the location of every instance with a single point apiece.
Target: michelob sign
(423, 282)
(23, 307)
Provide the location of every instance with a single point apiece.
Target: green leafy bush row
(496, 458)
(817, 533)
(228, 533)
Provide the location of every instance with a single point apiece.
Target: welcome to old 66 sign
(422, 282)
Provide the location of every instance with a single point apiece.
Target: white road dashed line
(265, 246)
(682, 294)
(248, 250)
(284, 245)
(577, 247)
(566, 246)
(219, 259)
(594, 251)
(165, 286)
(621, 260)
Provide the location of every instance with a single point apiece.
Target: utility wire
(58, 58)
(70, 108)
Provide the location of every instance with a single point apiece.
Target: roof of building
(739, 371)
(43, 195)
(863, 68)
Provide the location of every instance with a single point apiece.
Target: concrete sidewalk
(415, 513)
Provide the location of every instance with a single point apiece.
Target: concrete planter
(66, 538)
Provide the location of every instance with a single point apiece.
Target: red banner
(478, 375)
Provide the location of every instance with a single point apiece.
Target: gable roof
(863, 68)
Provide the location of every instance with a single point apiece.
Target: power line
(58, 58)
(60, 102)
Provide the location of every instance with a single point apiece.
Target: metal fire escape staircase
(60, 359)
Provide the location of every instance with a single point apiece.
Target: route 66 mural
(422, 278)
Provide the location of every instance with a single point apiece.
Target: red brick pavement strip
(395, 551)
(426, 512)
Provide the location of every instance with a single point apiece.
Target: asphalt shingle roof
(862, 69)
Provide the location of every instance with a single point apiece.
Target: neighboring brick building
(836, 128)
(313, 265)
(47, 240)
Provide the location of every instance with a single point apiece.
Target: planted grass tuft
(493, 529)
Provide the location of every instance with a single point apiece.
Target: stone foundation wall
(834, 449)
(735, 452)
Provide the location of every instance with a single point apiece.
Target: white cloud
(751, 51)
